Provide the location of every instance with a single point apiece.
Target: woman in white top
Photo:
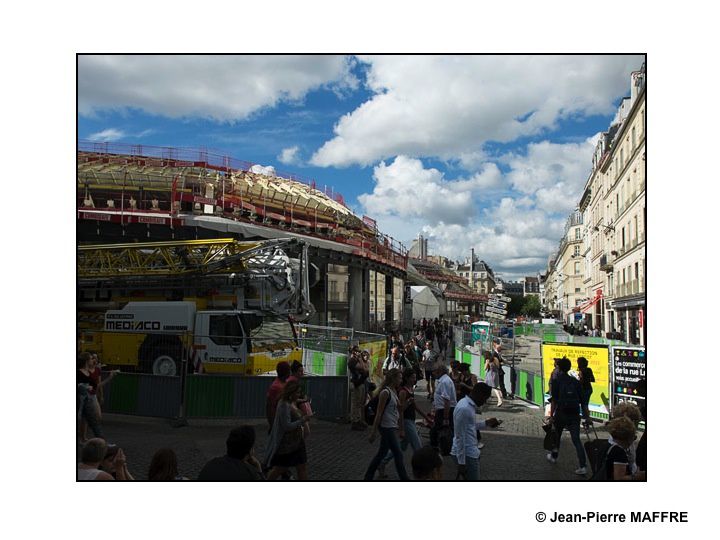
(388, 422)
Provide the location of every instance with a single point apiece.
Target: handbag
(550, 441)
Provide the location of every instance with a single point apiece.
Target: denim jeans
(88, 412)
(412, 439)
(388, 441)
(472, 468)
(572, 424)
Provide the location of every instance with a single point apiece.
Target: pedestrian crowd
(392, 411)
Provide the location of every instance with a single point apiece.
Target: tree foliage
(531, 306)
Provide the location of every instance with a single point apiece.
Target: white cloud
(547, 164)
(513, 220)
(510, 254)
(223, 88)
(448, 107)
(289, 156)
(107, 135)
(405, 188)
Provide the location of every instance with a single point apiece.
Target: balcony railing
(634, 286)
(605, 264)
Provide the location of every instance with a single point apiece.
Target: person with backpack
(565, 406)
(388, 423)
(395, 360)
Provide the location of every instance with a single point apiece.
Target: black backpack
(371, 408)
(568, 400)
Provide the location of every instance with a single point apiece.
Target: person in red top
(275, 391)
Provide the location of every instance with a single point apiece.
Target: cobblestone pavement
(512, 452)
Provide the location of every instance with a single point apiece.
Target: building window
(633, 138)
(577, 233)
(637, 271)
(577, 251)
(623, 238)
(577, 290)
(622, 157)
(577, 268)
(637, 233)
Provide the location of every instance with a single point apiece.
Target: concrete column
(318, 295)
(365, 299)
(355, 293)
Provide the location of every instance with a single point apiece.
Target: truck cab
(155, 337)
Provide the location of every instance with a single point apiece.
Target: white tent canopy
(424, 303)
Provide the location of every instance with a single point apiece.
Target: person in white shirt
(444, 401)
(465, 442)
(395, 360)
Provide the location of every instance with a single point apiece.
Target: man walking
(395, 360)
(444, 403)
(465, 442)
(565, 406)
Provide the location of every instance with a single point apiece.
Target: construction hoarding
(598, 360)
(629, 367)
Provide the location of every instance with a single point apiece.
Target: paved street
(512, 452)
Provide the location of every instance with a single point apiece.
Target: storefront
(630, 315)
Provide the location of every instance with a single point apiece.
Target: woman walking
(492, 367)
(408, 411)
(286, 446)
(86, 397)
(388, 423)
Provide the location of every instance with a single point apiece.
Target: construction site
(134, 195)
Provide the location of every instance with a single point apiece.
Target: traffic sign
(495, 316)
(500, 297)
(497, 304)
(490, 309)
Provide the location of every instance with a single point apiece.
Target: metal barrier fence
(522, 370)
(215, 396)
(219, 374)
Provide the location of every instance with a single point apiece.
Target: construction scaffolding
(159, 185)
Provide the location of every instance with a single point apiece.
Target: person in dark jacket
(239, 463)
(565, 407)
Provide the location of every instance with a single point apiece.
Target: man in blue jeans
(565, 406)
(465, 442)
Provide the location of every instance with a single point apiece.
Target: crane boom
(265, 277)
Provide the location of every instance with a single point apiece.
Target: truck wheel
(164, 365)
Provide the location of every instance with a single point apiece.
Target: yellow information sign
(378, 352)
(598, 360)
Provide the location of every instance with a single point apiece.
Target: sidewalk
(512, 452)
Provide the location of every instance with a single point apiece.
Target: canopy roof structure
(424, 303)
(179, 187)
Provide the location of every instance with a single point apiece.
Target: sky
(484, 152)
